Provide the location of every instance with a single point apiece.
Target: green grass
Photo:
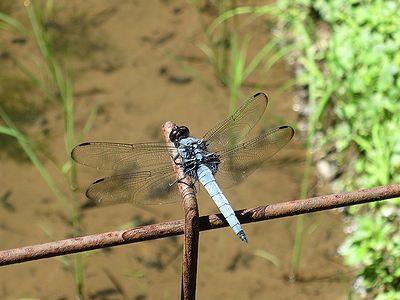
(217, 46)
(228, 39)
(54, 84)
(351, 73)
(318, 102)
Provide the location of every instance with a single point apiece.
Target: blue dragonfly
(144, 173)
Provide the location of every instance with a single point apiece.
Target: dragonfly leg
(191, 184)
(181, 180)
(172, 183)
(174, 158)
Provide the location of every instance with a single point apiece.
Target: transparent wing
(122, 158)
(149, 187)
(232, 130)
(240, 161)
(143, 172)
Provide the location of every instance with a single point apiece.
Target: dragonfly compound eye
(178, 132)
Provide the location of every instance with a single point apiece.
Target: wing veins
(130, 187)
(122, 157)
(235, 128)
(241, 160)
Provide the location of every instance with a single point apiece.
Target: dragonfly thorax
(193, 153)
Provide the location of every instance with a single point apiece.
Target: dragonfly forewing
(122, 158)
(235, 128)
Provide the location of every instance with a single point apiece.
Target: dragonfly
(144, 173)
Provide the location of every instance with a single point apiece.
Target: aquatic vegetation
(229, 40)
(349, 64)
(52, 82)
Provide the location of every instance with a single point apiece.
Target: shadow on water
(17, 98)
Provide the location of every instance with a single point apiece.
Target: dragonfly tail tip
(242, 236)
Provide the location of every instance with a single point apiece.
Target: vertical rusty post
(191, 230)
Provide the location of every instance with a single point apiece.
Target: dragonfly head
(177, 133)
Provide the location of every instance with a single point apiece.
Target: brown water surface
(139, 63)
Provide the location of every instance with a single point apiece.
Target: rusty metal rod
(191, 226)
(173, 228)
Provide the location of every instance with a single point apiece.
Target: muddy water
(126, 61)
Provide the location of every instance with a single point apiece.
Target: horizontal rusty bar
(173, 228)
